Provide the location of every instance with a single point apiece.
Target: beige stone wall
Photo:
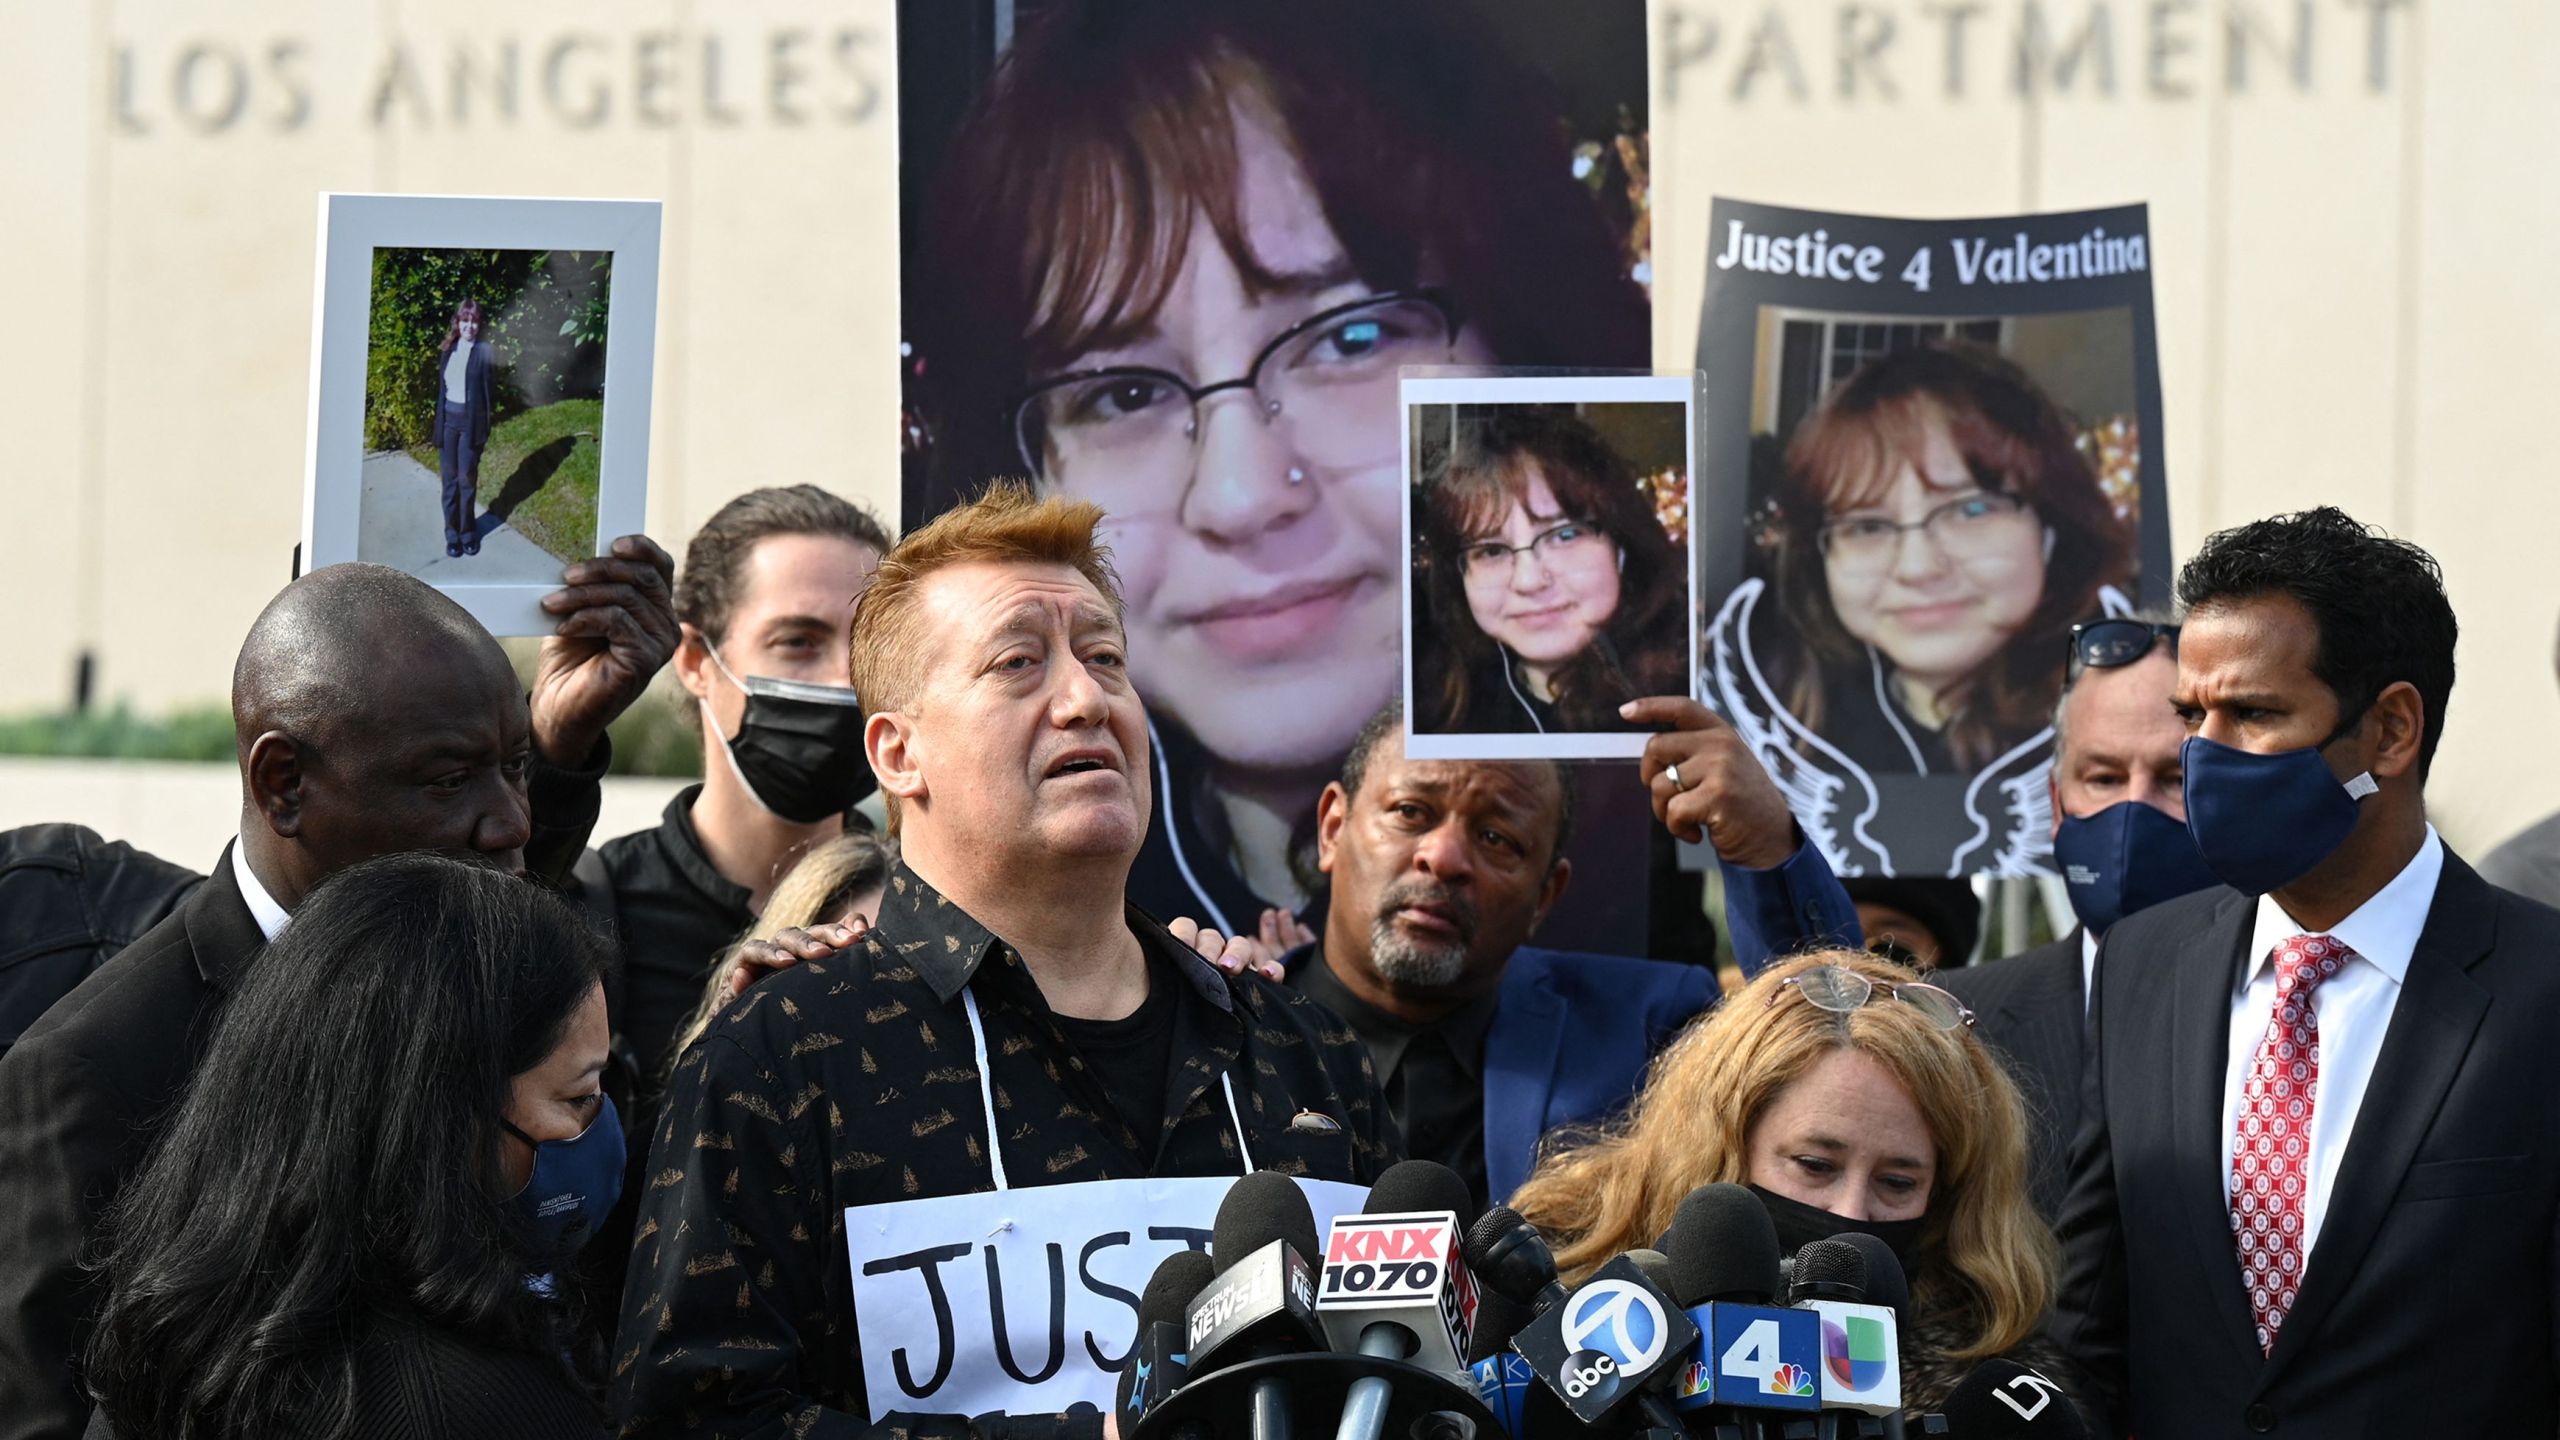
(2351, 218)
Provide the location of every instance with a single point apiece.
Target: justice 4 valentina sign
(1023, 1300)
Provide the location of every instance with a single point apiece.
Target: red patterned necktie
(2271, 1156)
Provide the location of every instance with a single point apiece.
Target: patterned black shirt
(852, 1080)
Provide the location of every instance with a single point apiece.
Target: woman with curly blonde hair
(1849, 1096)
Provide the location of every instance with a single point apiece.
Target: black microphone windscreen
(1490, 1226)
(1409, 1186)
(1656, 1267)
(1498, 1318)
(1829, 1270)
(1260, 1208)
(1177, 1282)
(2004, 1400)
(1723, 1246)
(1886, 1284)
(1508, 1254)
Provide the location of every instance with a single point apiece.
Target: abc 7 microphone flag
(1607, 1339)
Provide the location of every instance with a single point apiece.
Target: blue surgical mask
(574, 1187)
(2127, 857)
(2265, 821)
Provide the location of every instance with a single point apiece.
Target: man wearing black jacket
(2115, 744)
(2317, 1175)
(1010, 1021)
(373, 715)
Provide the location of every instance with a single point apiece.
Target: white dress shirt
(263, 908)
(2088, 972)
(457, 368)
(2353, 1008)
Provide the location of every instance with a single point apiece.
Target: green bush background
(547, 313)
(656, 736)
(561, 516)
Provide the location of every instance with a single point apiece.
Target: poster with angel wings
(1934, 447)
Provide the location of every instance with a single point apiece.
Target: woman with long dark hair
(396, 1140)
(1554, 593)
(1180, 252)
(465, 404)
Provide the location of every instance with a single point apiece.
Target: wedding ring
(1677, 785)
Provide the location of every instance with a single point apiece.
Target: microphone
(1162, 1356)
(2004, 1400)
(1515, 1275)
(1509, 1257)
(1861, 1343)
(1262, 1300)
(1751, 1354)
(1889, 1287)
(1394, 1287)
(1605, 1345)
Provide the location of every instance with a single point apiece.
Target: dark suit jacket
(78, 1098)
(70, 900)
(2030, 1010)
(83, 1090)
(2427, 1309)
(1569, 1044)
(479, 398)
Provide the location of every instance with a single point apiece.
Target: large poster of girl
(1941, 444)
(1172, 255)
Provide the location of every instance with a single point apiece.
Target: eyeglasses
(1841, 991)
(2107, 644)
(1969, 527)
(1489, 562)
(1127, 436)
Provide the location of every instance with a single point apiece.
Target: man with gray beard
(1440, 872)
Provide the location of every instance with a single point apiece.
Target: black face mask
(1800, 1225)
(798, 749)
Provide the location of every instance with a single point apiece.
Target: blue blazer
(1572, 1032)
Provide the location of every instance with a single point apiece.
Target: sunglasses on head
(2107, 644)
(1841, 991)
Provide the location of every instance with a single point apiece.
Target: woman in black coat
(353, 1224)
(464, 400)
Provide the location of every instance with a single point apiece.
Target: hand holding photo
(1548, 521)
(480, 391)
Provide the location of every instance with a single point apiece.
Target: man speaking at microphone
(1009, 1021)
(2317, 1175)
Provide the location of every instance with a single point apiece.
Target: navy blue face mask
(574, 1186)
(2265, 821)
(2127, 857)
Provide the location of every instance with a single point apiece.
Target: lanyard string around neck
(987, 1095)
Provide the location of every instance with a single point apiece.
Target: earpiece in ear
(1622, 559)
(2048, 542)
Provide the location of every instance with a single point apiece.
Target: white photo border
(1682, 388)
(352, 227)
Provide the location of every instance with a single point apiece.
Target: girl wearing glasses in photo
(1851, 1098)
(1940, 533)
(1554, 595)
(1178, 256)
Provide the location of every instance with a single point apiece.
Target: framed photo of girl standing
(480, 385)
(1547, 521)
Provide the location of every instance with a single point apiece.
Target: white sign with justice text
(1023, 1300)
